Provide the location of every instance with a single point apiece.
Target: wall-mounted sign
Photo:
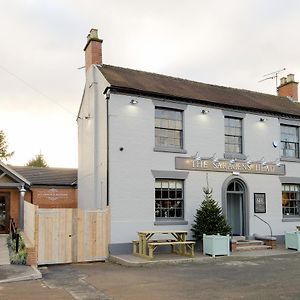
(186, 163)
(52, 194)
(259, 202)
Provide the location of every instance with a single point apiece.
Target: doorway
(236, 207)
(4, 213)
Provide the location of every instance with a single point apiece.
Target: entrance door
(4, 212)
(235, 208)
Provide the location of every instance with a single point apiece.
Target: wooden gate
(66, 235)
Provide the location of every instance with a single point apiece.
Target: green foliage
(20, 257)
(38, 161)
(209, 218)
(4, 154)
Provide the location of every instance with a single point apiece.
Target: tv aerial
(272, 75)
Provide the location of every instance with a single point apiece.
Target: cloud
(231, 43)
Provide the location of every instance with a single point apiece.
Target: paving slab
(169, 258)
(13, 273)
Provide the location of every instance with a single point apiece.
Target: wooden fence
(65, 235)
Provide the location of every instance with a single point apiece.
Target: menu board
(259, 202)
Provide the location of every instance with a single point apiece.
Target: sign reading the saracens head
(187, 163)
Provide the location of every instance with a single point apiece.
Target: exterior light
(262, 119)
(249, 162)
(214, 158)
(22, 191)
(197, 156)
(262, 161)
(133, 101)
(232, 161)
(204, 111)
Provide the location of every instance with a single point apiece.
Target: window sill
(169, 149)
(295, 219)
(231, 155)
(170, 222)
(290, 159)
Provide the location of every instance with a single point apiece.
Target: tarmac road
(272, 277)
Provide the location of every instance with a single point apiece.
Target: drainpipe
(21, 207)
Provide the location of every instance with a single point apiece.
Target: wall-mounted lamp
(204, 111)
(249, 162)
(196, 156)
(214, 158)
(262, 119)
(262, 161)
(22, 191)
(232, 161)
(133, 101)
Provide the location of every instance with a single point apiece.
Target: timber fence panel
(72, 235)
(30, 229)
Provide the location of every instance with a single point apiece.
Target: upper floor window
(289, 141)
(168, 128)
(233, 135)
(290, 200)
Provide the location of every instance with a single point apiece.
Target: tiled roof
(141, 82)
(48, 176)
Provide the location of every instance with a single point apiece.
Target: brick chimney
(288, 87)
(93, 49)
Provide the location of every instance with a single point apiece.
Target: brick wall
(53, 197)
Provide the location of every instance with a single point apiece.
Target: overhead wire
(37, 90)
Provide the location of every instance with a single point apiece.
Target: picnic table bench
(145, 246)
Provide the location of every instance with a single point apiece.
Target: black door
(4, 212)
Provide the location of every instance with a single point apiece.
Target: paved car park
(264, 277)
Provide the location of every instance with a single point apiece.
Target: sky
(230, 43)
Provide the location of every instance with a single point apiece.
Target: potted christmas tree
(211, 227)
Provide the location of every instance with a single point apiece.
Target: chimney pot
(282, 80)
(290, 78)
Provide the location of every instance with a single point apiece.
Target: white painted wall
(92, 143)
(131, 127)
(132, 184)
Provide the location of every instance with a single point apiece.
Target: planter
(216, 245)
(292, 240)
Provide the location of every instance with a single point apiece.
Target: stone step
(249, 243)
(253, 248)
(238, 238)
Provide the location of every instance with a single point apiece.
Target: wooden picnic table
(145, 246)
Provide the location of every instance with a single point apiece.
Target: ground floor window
(168, 199)
(290, 200)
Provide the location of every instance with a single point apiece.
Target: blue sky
(230, 43)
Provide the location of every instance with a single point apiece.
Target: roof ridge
(192, 81)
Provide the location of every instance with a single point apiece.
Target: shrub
(19, 257)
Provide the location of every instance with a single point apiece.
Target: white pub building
(149, 143)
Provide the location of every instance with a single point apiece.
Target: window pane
(290, 200)
(169, 198)
(233, 135)
(168, 128)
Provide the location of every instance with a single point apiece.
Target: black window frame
(167, 211)
(290, 200)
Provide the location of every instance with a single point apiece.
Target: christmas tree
(209, 218)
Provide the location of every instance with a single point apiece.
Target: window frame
(296, 200)
(229, 154)
(283, 150)
(169, 219)
(171, 106)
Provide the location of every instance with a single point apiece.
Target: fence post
(17, 242)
